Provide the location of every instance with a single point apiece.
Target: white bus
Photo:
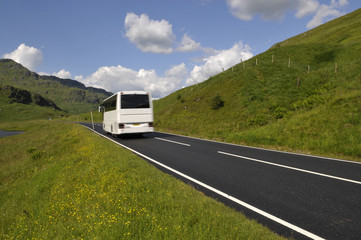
(128, 112)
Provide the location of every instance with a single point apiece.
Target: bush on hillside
(217, 102)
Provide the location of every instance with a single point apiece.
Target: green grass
(18, 111)
(60, 181)
(278, 106)
(344, 30)
(86, 117)
(316, 131)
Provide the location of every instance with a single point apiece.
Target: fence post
(308, 71)
(273, 58)
(256, 61)
(91, 114)
(335, 67)
(289, 62)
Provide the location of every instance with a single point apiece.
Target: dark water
(8, 133)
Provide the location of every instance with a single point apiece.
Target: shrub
(217, 102)
(258, 120)
(280, 112)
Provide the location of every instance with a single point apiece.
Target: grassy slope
(264, 105)
(72, 184)
(19, 111)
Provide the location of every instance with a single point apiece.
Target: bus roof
(127, 92)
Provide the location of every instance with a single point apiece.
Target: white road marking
(246, 205)
(288, 167)
(269, 150)
(184, 144)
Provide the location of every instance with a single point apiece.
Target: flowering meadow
(58, 180)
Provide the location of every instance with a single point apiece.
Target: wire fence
(282, 63)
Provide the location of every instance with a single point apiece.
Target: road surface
(299, 196)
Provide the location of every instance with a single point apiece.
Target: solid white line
(184, 144)
(246, 205)
(288, 167)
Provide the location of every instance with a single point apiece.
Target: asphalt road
(299, 196)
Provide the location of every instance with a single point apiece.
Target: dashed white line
(244, 204)
(268, 150)
(167, 140)
(288, 167)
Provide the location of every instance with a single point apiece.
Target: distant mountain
(69, 95)
(303, 94)
(25, 97)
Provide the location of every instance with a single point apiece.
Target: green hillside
(67, 94)
(19, 105)
(303, 94)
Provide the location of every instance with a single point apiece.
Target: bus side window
(110, 104)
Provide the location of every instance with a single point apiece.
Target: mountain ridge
(69, 95)
(22, 96)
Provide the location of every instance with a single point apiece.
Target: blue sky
(154, 45)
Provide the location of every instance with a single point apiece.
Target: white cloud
(327, 12)
(222, 60)
(61, 74)
(342, 2)
(277, 9)
(79, 78)
(172, 80)
(29, 57)
(270, 9)
(149, 35)
(188, 45)
(306, 7)
(156, 36)
(117, 78)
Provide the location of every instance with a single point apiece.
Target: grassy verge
(58, 180)
(85, 117)
(275, 106)
(301, 95)
(332, 130)
(19, 111)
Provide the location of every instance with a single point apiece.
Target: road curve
(299, 196)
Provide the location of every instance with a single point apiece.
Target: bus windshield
(134, 101)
